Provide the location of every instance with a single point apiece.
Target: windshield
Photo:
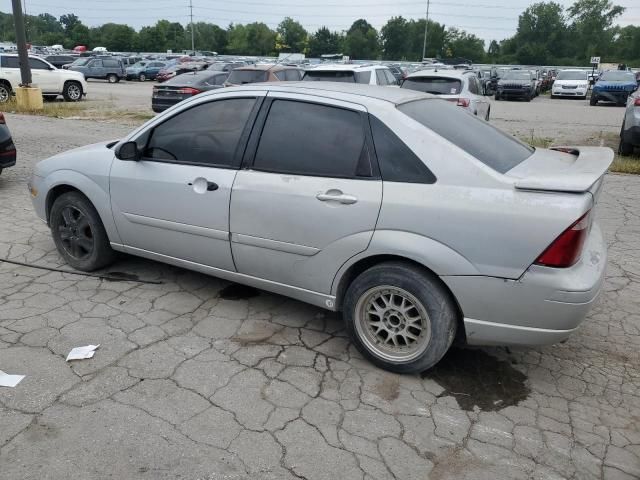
(239, 77)
(325, 76)
(434, 85)
(516, 75)
(478, 138)
(618, 76)
(569, 75)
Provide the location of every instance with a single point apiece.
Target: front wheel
(594, 101)
(142, 77)
(5, 92)
(79, 234)
(399, 317)
(72, 92)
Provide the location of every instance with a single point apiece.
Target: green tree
(69, 21)
(542, 34)
(325, 42)
(115, 37)
(593, 26)
(293, 36)
(209, 37)
(361, 41)
(464, 45)
(436, 36)
(395, 39)
(261, 39)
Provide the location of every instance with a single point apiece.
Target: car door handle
(200, 185)
(337, 196)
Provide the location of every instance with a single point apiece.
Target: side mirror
(128, 151)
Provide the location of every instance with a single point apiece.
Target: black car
(59, 60)
(486, 77)
(7, 148)
(185, 86)
(516, 84)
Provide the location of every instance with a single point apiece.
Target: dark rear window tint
(363, 77)
(248, 76)
(434, 85)
(491, 146)
(335, 76)
(397, 162)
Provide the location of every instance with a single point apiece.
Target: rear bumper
(545, 306)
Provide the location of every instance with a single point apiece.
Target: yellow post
(29, 98)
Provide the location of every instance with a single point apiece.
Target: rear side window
(478, 138)
(309, 139)
(10, 62)
(111, 63)
(292, 75)
(397, 162)
(36, 64)
(382, 80)
(434, 85)
(391, 80)
(239, 77)
(363, 77)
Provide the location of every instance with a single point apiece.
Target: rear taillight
(636, 103)
(2, 120)
(566, 250)
(463, 102)
(188, 91)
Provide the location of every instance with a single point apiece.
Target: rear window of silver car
(491, 146)
(238, 77)
(434, 85)
(344, 76)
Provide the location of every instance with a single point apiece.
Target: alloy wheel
(392, 323)
(4, 94)
(74, 92)
(75, 233)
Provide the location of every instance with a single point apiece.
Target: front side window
(309, 139)
(10, 62)
(207, 134)
(36, 64)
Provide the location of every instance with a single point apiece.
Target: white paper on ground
(7, 380)
(81, 353)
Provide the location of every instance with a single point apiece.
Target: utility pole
(21, 41)
(426, 25)
(193, 42)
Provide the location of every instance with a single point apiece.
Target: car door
(175, 200)
(480, 102)
(44, 77)
(308, 196)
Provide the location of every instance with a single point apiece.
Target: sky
(488, 19)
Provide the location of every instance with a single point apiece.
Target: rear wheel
(5, 92)
(594, 101)
(399, 317)
(142, 77)
(79, 234)
(112, 78)
(72, 92)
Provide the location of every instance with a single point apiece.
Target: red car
(7, 148)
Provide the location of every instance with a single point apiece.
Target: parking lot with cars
(197, 378)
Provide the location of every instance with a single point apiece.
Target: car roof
(343, 67)
(358, 92)
(459, 74)
(266, 67)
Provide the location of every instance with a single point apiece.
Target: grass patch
(625, 165)
(537, 142)
(81, 111)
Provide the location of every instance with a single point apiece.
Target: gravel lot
(193, 381)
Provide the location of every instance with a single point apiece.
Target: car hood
(94, 158)
(616, 85)
(584, 82)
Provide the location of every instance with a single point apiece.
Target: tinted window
(473, 85)
(391, 80)
(292, 75)
(492, 147)
(36, 64)
(207, 134)
(397, 162)
(363, 77)
(10, 62)
(111, 63)
(434, 85)
(309, 139)
(382, 80)
(324, 76)
(239, 77)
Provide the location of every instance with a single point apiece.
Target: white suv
(53, 82)
(351, 73)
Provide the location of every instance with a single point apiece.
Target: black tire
(497, 98)
(142, 77)
(5, 92)
(430, 297)
(74, 217)
(624, 148)
(112, 78)
(528, 97)
(72, 92)
(593, 101)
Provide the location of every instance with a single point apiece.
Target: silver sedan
(421, 223)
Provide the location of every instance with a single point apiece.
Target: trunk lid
(563, 169)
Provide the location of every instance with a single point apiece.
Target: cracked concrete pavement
(188, 384)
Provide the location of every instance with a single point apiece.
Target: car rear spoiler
(579, 176)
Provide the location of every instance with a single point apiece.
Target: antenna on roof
(278, 61)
